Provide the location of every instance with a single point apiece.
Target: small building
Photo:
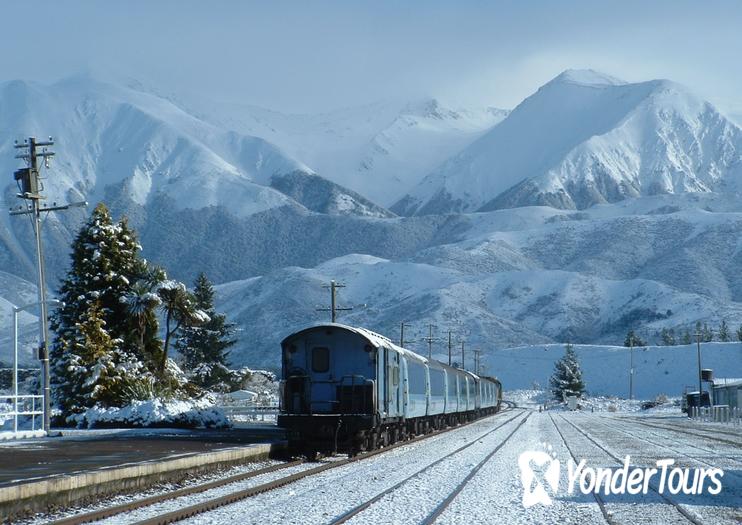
(241, 397)
(727, 392)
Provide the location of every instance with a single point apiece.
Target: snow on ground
(153, 491)
(496, 491)
(194, 413)
(605, 369)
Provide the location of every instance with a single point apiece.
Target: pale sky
(310, 56)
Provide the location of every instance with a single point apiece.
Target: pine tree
(739, 333)
(707, 334)
(105, 370)
(667, 336)
(204, 348)
(723, 331)
(105, 261)
(687, 338)
(567, 377)
(631, 336)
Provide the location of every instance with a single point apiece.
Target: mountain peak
(586, 77)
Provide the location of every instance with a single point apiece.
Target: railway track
(596, 495)
(619, 428)
(431, 518)
(214, 503)
(687, 515)
(682, 430)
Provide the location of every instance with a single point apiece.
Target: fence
(717, 414)
(24, 405)
(242, 413)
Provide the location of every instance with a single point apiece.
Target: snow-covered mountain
(520, 276)
(380, 150)
(273, 206)
(131, 149)
(586, 138)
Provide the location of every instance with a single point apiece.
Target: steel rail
(214, 503)
(617, 427)
(687, 515)
(598, 498)
(159, 498)
(363, 506)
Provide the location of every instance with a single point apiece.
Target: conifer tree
(739, 333)
(105, 263)
(632, 337)
(687, 338)
(567, 377)
(723, 331)
(204, 347)
(707, 334)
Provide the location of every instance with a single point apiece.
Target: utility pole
(429, 340)
(700, 385)
(463, 356)
(449, 347)
(401, 333)
(333, 286)
(30, 187)
(631, 366)
(477, 353)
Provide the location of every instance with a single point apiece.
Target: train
(347, 389)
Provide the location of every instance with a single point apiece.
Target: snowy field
(482, 461)
(657, 369)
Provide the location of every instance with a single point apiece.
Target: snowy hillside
(657, 369)
(131, 149)
(206, 194)
(380, 150)
(519, 276)
(587, 138)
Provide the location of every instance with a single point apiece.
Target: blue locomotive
(349, 389)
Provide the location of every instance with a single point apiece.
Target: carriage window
(320, 359)
(395, 376)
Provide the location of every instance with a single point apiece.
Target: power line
(30, 186)
(334, 309)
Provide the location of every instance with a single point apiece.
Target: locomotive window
(320, 359)
(395, 376)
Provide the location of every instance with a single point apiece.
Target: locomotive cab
(329, 371)
(329, 396)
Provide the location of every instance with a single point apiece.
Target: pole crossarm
(28, 179)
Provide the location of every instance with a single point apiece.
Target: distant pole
(631, 367)
(450, 342)
(477, 352)
(401, 334)
(463, 356)
(429, 340)
(334, 309)
(700, 385)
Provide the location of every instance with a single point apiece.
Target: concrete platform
(52, 472)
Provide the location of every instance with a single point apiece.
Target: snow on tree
(204, 346)
(723, 331)
(105, 263)
(567, 377)
(633, 340)
(180, 310)
(668, 337)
